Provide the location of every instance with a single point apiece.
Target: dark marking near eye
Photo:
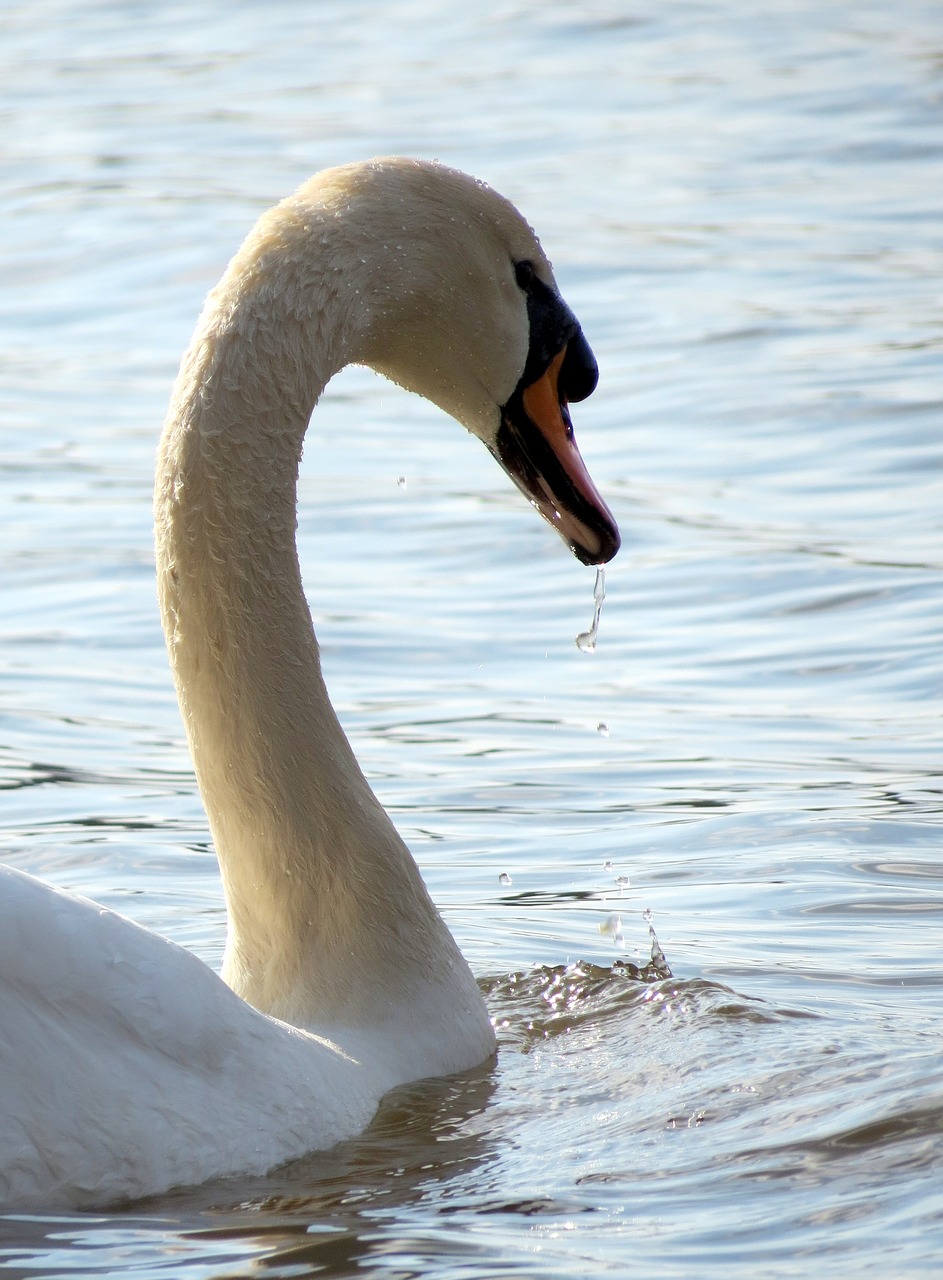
(553, 326)
(524, 274)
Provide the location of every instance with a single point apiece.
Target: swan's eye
(525, 275)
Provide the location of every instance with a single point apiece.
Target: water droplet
(504, 878)
(607, 865)
(602, 729)
(401, 481)
(623, 882)
(586, 640)
(611, 927)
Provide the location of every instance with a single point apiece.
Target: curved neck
(329, 920)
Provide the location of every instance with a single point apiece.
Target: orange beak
(537, 448)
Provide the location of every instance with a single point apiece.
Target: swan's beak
(537, 448)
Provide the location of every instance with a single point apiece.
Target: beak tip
(606, 548)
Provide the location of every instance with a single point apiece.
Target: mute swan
(126, 1065)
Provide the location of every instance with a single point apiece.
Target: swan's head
(460, 305)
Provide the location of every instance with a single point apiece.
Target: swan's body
(126, 1066)
(134, 1068)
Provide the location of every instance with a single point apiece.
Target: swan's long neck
(329, 921)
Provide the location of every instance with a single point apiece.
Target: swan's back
(127, 1066)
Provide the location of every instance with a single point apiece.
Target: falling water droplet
(602, 729)
(504, 878)
(586, 640)
(611, 927)
(401, 481)
(623, 882)
(607, 865)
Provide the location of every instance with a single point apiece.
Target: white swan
(126, 1065)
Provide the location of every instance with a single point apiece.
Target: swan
(127, 1066)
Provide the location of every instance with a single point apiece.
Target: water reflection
(426, 1138)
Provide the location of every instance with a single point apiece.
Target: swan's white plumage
(126, 1066)
(135, 1068)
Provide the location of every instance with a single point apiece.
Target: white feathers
(126, 1066)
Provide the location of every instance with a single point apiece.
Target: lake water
(744, 205)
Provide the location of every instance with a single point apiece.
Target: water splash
(530, 1008)
(586, 640)
(658, 960)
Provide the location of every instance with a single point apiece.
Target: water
(586, 640)
(743, 205)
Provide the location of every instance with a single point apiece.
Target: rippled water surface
(744, 204)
